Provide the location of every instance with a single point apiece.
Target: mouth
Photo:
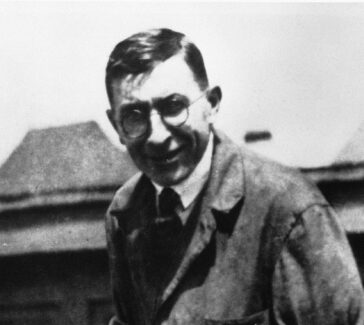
(167, 157)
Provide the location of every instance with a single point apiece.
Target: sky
(295, 69)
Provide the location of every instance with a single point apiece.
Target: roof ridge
(65, 126)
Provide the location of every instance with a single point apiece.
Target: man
(209, 233)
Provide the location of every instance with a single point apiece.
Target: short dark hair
(141, 52)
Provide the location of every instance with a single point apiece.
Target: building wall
(53, 229)
(55, 289)
(347, 198)
(357, 244)
(54, 267)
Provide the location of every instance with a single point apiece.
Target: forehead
(168, 77)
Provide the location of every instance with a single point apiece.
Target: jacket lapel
(224, 190)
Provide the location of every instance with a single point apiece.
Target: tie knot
(168, 201)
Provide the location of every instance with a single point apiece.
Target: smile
(167, 157)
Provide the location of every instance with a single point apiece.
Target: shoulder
(283, 187)
(278, 198)
(265, 182)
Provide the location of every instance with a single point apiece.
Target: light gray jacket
(267, 249)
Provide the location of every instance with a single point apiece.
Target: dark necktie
(168, 202)
(167, 226)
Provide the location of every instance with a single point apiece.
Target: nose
(159, 133)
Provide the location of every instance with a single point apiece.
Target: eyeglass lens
(135, 117)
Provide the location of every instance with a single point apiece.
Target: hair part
(141, 52)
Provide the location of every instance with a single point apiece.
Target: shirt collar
(189, 188)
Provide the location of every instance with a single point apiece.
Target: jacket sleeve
(315, 280)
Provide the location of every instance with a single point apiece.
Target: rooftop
(52, 164)
(353, 151)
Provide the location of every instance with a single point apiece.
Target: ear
(110, 116)
(214, 97)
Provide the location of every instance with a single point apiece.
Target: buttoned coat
(267, 249)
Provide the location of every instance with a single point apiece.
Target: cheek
(196, 133)
(198, 140)
(136, 151)
(200, 120)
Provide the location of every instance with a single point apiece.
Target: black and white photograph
(181, 163)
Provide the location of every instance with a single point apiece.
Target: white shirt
(189, 188)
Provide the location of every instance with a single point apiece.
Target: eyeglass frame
(158, 111)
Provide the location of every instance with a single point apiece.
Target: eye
(133, 115)
(134, 119)
(173, 105)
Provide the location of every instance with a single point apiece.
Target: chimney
(256, 136)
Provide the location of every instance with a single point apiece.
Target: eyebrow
(155, 99)
(133, 104)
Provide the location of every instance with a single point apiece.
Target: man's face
(166, 154)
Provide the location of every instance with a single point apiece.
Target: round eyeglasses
(135, 117)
